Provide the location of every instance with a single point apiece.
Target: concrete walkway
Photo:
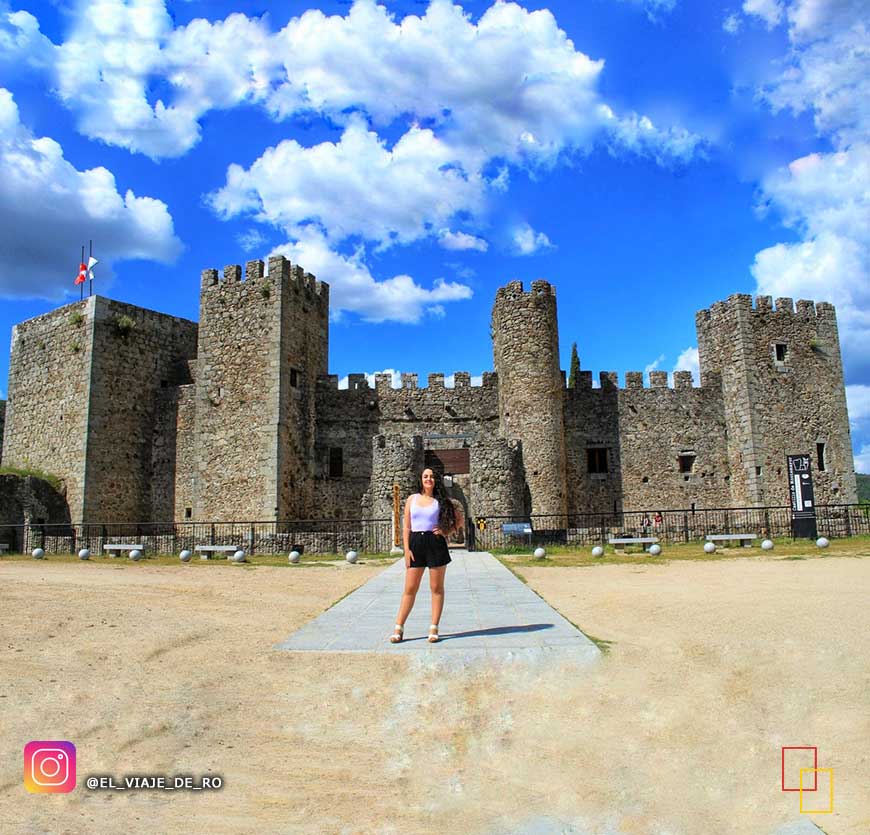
(488, 614)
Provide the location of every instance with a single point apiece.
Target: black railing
(336, 536)
(833, 521)
(333, 536)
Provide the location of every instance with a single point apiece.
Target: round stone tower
(525, 345)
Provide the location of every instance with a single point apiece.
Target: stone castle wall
(2, 425)
(525, 347)
(149, 417)
(778, 407)
(48, 396)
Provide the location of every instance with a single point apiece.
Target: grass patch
(560, 556)
(24, 472)
(255, 561)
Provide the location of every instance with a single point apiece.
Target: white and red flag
(92, 262)
(82, 277)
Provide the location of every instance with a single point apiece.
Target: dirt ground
(171, 670)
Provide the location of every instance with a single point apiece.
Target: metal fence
(335, 536)
(833, 521)
(314, 536)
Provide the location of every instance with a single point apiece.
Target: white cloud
(688, 361)
(527, 241)
(862, 460)
(825, 197)
(354, 288)
(858, 400)
(654, 8)
(770, 11)
(22, 45)
(511, 85)
(389, 196)
(40, 190)
(251, 239)
(654, 364)
(461, 240)
(732, 24)
(450, 380)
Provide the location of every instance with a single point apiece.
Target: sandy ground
(170, 670)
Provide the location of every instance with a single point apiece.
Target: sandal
(398, 634)
(433, 634)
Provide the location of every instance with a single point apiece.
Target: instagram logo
(49, 766)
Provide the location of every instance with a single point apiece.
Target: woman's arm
(406, 531)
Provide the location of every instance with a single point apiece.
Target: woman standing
(430, 517)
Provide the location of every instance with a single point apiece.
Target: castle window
(758, 471)
(687, 462)
(336, 462)
(596, 459)
(781, 351)
(820, 457)
(188, 512)
(294, 378)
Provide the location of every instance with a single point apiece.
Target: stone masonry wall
(47, 406)
(2, 425)
(24, 501)
(254, 416)
(774, 408)
(350, 419)
(531, 388)
(136, 355)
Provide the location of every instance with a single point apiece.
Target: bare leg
(436, 586)
(412, 584)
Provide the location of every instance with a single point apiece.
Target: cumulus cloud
(527, 241)
(390, 196)
(825, 197)
(770, 11)
(40, 189)
(461, 240)
(511, 85)
(22, 45)
(688, 361)
(251, 239)
(354, 288)
(654, 364)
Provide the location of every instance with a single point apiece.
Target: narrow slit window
(596, 459)
(294, 378)
(336, 462)
(781, 351)
(820, 456)
(188, 512)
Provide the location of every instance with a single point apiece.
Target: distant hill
(863, 488)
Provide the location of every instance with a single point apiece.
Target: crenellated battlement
(410, 382)
(281, 273)
(515, 290)
(783, 306)
(658, 380)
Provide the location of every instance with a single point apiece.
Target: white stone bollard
(540, 553)
(38, 554)
(185, 555)
(655, 549)
(239, 556)
(767, 545)
(351, 556)
(135, 555)
(822, 542)
(597, 551)
(84, 554)
(709, 547)
(294, 557)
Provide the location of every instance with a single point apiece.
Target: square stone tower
(263, 342)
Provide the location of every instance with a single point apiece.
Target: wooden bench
(745, 539)
(117, 546)
(619, 542)
(225, 549)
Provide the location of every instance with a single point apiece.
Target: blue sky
(648, 157)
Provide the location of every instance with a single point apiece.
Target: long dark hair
(446, 510)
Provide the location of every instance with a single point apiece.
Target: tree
(575, 367)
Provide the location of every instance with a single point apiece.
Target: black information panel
(803, 503)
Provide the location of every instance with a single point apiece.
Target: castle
(148, 417)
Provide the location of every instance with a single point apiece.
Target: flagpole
(90, 281)
(82, 285)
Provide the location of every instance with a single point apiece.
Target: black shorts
(428, 550)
